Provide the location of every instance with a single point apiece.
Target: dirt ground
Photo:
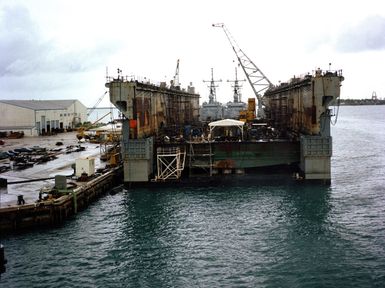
(59, 166)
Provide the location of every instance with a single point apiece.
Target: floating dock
(164, 139)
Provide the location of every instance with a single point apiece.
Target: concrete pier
(20, 207)
(53, 212)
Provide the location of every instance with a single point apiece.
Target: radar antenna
(258, 81)
(237, 87)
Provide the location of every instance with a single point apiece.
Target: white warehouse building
(40, 117)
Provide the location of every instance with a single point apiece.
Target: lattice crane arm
(257, 80)
(97, 103)
(176, 75)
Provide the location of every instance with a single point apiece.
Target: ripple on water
(278, 235)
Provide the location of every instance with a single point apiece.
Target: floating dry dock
(163, 138)
(54, 211)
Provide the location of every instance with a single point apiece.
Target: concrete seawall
(53, 212)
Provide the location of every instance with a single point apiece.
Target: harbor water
(281, 234)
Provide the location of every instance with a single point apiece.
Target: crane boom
(97, 103)
(176, 76)
(257, 80)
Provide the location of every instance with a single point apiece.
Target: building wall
(17, 119)
(62, 119)
(81, 112)
(33, 123)
(47, 120)
(13, 116)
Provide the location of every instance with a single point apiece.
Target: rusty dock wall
(51, 213)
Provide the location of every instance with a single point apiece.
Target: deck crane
(258, 81)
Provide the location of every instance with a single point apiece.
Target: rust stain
(225, 164)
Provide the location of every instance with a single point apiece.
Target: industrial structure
(39, 117)
(165, 139)
(257, 80)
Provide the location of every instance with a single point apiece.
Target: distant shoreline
(357, 102)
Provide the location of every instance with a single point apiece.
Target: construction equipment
(258, 81)
(81, 130)
(249, 114)
(175, 83)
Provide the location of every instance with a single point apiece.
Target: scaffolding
(170, 163)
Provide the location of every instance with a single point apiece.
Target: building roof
(40, 104)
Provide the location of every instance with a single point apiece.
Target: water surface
(268, 235)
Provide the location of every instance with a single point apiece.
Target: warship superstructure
(212, 110)
(215, 110)
(233, 108)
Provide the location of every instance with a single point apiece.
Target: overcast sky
(61, 49)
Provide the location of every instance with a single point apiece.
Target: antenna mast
(237, 87)
(212, 95)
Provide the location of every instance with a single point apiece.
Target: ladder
(200, 157)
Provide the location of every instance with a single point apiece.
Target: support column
(316, 152)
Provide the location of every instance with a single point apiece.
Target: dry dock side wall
(150, 108)
(137, 155)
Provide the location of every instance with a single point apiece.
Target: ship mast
(212, 95)
(237, 87)
(258, 81)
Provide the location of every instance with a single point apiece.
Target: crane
(257, 80)
(97, 103)
(175, 82)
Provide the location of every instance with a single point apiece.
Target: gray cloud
(367, 35)
(19, 42)
(24, 50)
